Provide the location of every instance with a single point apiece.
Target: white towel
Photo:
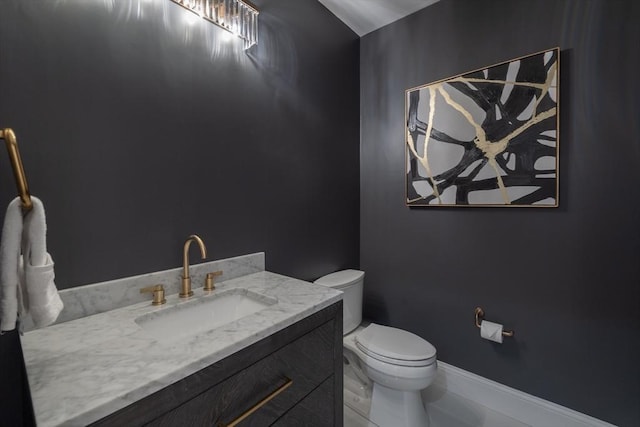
(41, 299)
(36, 292)
(10, 265)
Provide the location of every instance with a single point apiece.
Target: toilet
(398, 363)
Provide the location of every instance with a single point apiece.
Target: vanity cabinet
(303, 362)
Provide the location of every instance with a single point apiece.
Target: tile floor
(445, 409)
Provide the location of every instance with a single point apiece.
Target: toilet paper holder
(480, 316)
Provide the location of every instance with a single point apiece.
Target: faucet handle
(158, 294)
(208, 283)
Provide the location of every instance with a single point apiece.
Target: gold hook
(18, 169)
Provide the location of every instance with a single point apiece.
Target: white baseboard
(511, 402)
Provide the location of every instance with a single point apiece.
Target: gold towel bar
(480, 316)
(18, 170)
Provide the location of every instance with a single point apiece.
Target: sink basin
(202, 314)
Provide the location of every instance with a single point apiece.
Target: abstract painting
(486, 138)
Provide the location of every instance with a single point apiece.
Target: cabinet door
(315, 410)
(307, 361)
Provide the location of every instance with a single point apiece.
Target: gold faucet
(158, 294)
(186, 279)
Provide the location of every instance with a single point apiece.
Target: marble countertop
(85, 369)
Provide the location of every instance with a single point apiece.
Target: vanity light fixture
(236, 16)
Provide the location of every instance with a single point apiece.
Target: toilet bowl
(398, 363)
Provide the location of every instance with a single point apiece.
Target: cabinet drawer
(315, 410)
(307, 361)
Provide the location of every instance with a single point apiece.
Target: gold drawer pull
(260, 404)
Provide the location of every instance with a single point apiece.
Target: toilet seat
(395, 346)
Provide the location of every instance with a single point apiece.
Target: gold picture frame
(493, 136)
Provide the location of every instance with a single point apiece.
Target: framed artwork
(486, 138)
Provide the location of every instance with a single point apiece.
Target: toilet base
(395, 408)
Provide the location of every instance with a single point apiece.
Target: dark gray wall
(566, 279)
(139, 125)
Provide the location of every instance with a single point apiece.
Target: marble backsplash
(82, 301)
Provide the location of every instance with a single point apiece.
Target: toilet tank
(350, 282)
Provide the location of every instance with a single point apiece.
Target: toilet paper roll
(491, 331)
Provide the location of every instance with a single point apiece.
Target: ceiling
(364, 16)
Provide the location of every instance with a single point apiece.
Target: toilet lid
(395, 346)
(340, 279)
